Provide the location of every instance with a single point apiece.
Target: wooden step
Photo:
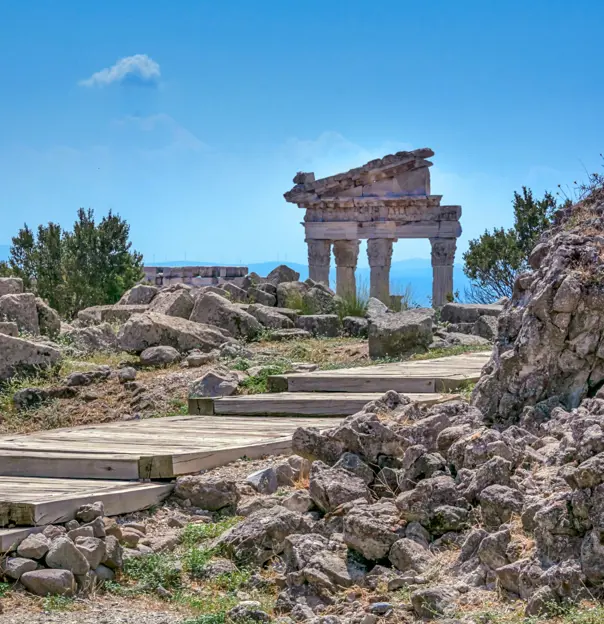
(37, 502)
(298, 403)
(157, 448)
(422, 376)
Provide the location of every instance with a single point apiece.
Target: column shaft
(443, 255)
(379, 252)
(319, 256)
(347, 254)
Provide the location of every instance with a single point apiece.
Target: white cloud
(138, 70)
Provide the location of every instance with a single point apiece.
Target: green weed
(195, 533)
(58, 603)
(258, 384)
(153, 571)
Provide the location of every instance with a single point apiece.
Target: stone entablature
(382, 201)
(193, 275)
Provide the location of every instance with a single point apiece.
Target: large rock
(407, 555)
(8, 328)
(15, 567)
(21, 309)
(216, 310)
(289, 294)
(270, 317)
(486, 327)
(549, 346)
(319, 300)
(109, 313)
(49, 320)
(49, 582)
(325, 325)
(281, 274)
(173, 303)
(259, 295)
(151, 329)
(331, 487)
(468, 312)
(23, 356)
(141, 294)
(261, 536)
(159, 356)
(214, 384)
(372, 529)
(93, 338)
(34, 546)
(64, 555)
(209, 492)
(11, 286)
(395, 334)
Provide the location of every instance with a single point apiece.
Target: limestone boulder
(100, 337)
(49, 582)
(11, 286)
(289, 294)
(159, 356)
(8, 328)
(281, 274)
(279, 335)
(214, 383)
(395, 334)
(270, 317)
(320, 300)
(141, 294)
(325, 325)
(259, 295)
(15, 567)
(173, 303)
(152, 329)
(64, 555)
(355, 326)
(215, 310)
(109, 314)
(209, 492)
(375, 308)
(49, 320)
(372, 529)
(236, 293)
(468, 312)
(22, 356)
(486, 327)
(34, 546)
(331, 487)
(21, 309)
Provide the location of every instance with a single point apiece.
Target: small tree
(494, 259)
(91, 265)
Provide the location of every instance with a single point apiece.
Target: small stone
(97, 526)
(53, 531)
(264, 481)
(83, 531)
(92, 548)
(131, 537)
(126, 374)
(87, 513)
(113, 553)
(49, 582)
(380, 608)
(137, 526)
(14, 567)
(34, 546)
(71, 525)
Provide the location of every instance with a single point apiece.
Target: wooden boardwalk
(299, 403)
(157, 448)
(37, 502)
(444, 374)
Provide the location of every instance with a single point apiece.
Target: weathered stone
(23, 356)
(177, 303)
(8, 328)
(14, 567)
(408, 555)
(486, 327)
(21, 309)
(434, 602)
(261, 297)
(64, 555)
(262, 535)
(235, 293)
(281, 274)
(248, 611)
(49, 321)
(264, 481)
(207, 491)
(141, 294)
(327, 325)
(34, 546)
(289, 294)
(399, 333)
(128, 373)
(289, 334)
(150, 330)
(372, 529)
(498, 503)
(113, 558)
(90, 511)
(270, 317)
(355, 326)
(49, 582)
(109, 313)
(216, 310)
(331, 487)
(214, 384)
(543, 602)
(468, 312)
(319, 300)
(92, 548)
(103, 573)
(299, 501)
(159, 356)
(11, 286)
(195, 359)
(94, 338)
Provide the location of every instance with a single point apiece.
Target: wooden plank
(148, 449)
(38, 502)
(421, 376)
(308, 403)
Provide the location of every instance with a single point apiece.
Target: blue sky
(195, 141)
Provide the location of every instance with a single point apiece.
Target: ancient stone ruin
(193, 275)
(382, 201)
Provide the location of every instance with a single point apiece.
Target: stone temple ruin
(193, 275)
(382, 201)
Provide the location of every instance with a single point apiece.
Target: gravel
(94, 615)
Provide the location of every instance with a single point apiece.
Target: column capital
(443, 251)
(346, 252)
(379, 251)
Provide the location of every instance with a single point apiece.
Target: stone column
(347, 254)
(379, 252)
(319, 257)
(443, 255)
